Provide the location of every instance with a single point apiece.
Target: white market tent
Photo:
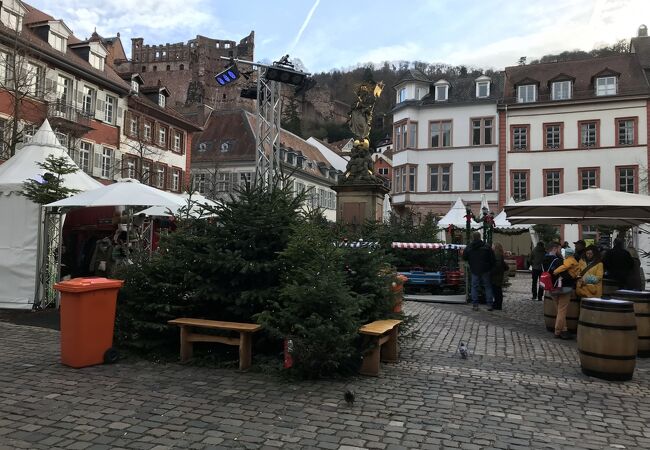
(195, 201)
(19, 220)
(456, 217)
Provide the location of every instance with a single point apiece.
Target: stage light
(284, 75)
(228, 75)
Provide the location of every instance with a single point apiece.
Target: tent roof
(126, 192)
(23, 165)
(456, 216)
(195, 201)
(585, 204)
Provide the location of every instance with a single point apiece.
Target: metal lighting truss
(269, 113)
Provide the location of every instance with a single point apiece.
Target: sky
(339, 34)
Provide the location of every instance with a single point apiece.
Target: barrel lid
(607, 303)
(87, 284)
(631, 293)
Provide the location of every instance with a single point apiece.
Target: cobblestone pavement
(519, 389)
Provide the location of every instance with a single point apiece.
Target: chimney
(643, 31)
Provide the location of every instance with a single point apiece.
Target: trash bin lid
(87, 284)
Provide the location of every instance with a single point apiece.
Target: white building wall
(459, 155)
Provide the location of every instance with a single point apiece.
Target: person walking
(480, 258)
(618, 263)
(590, 280)
(497, 275)
(535, 260)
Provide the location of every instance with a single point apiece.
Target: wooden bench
(244, 341)
(383, 336)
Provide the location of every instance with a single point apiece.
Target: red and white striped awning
(427, 245)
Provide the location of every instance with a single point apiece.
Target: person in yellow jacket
(568, 272)
(590, 282)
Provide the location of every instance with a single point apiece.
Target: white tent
(456, 217)
(194, 201)
(501, 219)
(126, 192)
(19, 239)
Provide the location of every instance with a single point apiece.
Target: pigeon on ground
(462, 349)
(349, 397)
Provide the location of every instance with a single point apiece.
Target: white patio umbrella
(501, 219)
(126, 192)
(583, 206)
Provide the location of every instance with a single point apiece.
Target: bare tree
(140, 157)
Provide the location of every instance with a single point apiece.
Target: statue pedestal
(358, 202)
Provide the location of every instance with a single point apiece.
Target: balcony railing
(59, 111)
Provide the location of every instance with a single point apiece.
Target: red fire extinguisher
(288, 350)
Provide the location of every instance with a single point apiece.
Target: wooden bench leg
(187, 347)
(245, 350)
(370, 362)
(389, 349)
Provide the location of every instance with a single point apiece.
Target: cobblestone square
(520, 388)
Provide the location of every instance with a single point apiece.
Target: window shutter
(118, 118)
(97, 160)
(80, 98)
(116, 166)
(100, 113)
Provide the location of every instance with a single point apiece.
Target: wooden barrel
(607, 340)
(609, 287)
(573, 313)
(550, 312)
(641, 300)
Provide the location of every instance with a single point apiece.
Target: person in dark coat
(535, 260)
(618, 263)
(480, 258)
(497, 275)
(580, 247)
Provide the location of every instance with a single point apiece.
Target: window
(440, 134)
(96, 61)
(10, 19)
(526, 93)
(552, 181)
(63, 89)
(440, 178)
(161, 100)
(162, 136)
(626, 131)
(176, 180)
(412, 178)
(383, 171)
(88, 99)
(606, 86)
(133, 126)
(135, 87)
(109, 109)
(406, 135)
(589, 233)
(520, 137)
(245, 178)
(178, 141)
(200, 180)
(413, 134)
(561, 90)
(58, 42)
(83, 160)
(6, 63)
(224, 182)
(160, 177)
(482, 131)
(130, 169)
(401, 95)
(520, 185)
(442, 92)
(62, 138)
(588, 134)
(482, 89)
(626, 179)
(107, 159)
(482, 176)
(405, 179)
(146, 173)
(147, 131)
(589, 177)
(553, 135)
(34, 79)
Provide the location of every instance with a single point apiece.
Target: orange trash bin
(87, 320)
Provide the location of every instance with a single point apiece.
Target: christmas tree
(48, 188)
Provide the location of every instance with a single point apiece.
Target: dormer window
(561, 90)
(441, 91)
(401, 95)
(11, 14)
(135, 87)
(606, 85)
(58, 42)
(96, 61)
(161, 100)
(526, 93)
(483, 87)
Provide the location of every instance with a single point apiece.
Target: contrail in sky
(304, 25)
